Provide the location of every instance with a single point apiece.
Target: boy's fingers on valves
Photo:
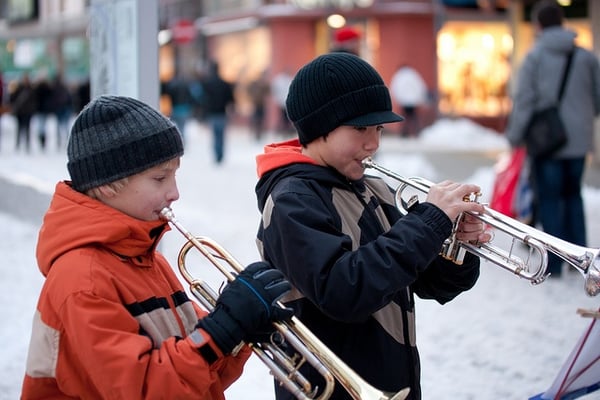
(455, 198)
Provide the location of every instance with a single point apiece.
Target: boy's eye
(163, 177)
(379, 128)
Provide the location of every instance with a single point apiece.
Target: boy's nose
(372, 141)
(173, 194)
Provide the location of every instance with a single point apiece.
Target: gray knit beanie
(115, 137)
(337, 89)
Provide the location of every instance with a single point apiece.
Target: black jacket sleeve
(303, 239)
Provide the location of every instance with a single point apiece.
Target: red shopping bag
(508, 173)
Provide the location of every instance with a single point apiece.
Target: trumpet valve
(472, 197)
(451, 250)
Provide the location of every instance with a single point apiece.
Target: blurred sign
(24, 55)
(183, 31)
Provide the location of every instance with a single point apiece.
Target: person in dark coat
(44, 94)
(355, 262)
(62, 108)
(81, 96)
(218, 104)
(557, 180)
(179, 92)
(259, 91)
(23, 104)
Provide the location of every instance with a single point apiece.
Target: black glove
(247, 306)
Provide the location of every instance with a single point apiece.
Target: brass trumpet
(585, 260)
(308, 347)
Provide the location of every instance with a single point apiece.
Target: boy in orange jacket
(112, 320)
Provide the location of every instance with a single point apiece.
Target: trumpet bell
(592, 277)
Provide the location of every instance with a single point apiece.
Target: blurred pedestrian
(219, 104)
(178, 92)
(198, 95)
(409, 91)
(62, 107)
(279, 90)
(557, 179)
(258, 91)
(23, 104)
(81, 96)
(43, 91)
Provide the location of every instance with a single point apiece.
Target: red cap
(345, 34)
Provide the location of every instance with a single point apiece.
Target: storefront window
(39, 57)
(76, 59)
(477, 65)
(474, 68)
(242, 57)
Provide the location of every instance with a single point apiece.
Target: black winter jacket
(355, 264)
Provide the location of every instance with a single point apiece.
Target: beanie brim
(374, 118)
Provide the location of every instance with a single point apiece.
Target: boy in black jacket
(336, 234)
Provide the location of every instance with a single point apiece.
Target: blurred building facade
(44, 38)
(466, 50)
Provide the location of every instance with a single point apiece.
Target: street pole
(124, 49)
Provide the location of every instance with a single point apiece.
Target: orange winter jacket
(112, 320)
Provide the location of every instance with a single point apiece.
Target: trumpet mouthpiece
(367, 162)
(167, 214)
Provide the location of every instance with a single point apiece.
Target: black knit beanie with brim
(337, 89)
(115, 137)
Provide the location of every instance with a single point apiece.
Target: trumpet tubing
(308, 347)
(540, 244)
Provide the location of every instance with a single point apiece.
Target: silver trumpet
(533, 268)
(307, 346)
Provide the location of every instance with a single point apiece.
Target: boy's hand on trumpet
(455, 200)
(471, 229)
(247, 306)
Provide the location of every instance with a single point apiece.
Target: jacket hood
(279, 154)
(557, 39)
(75, 220)
(289, 154)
